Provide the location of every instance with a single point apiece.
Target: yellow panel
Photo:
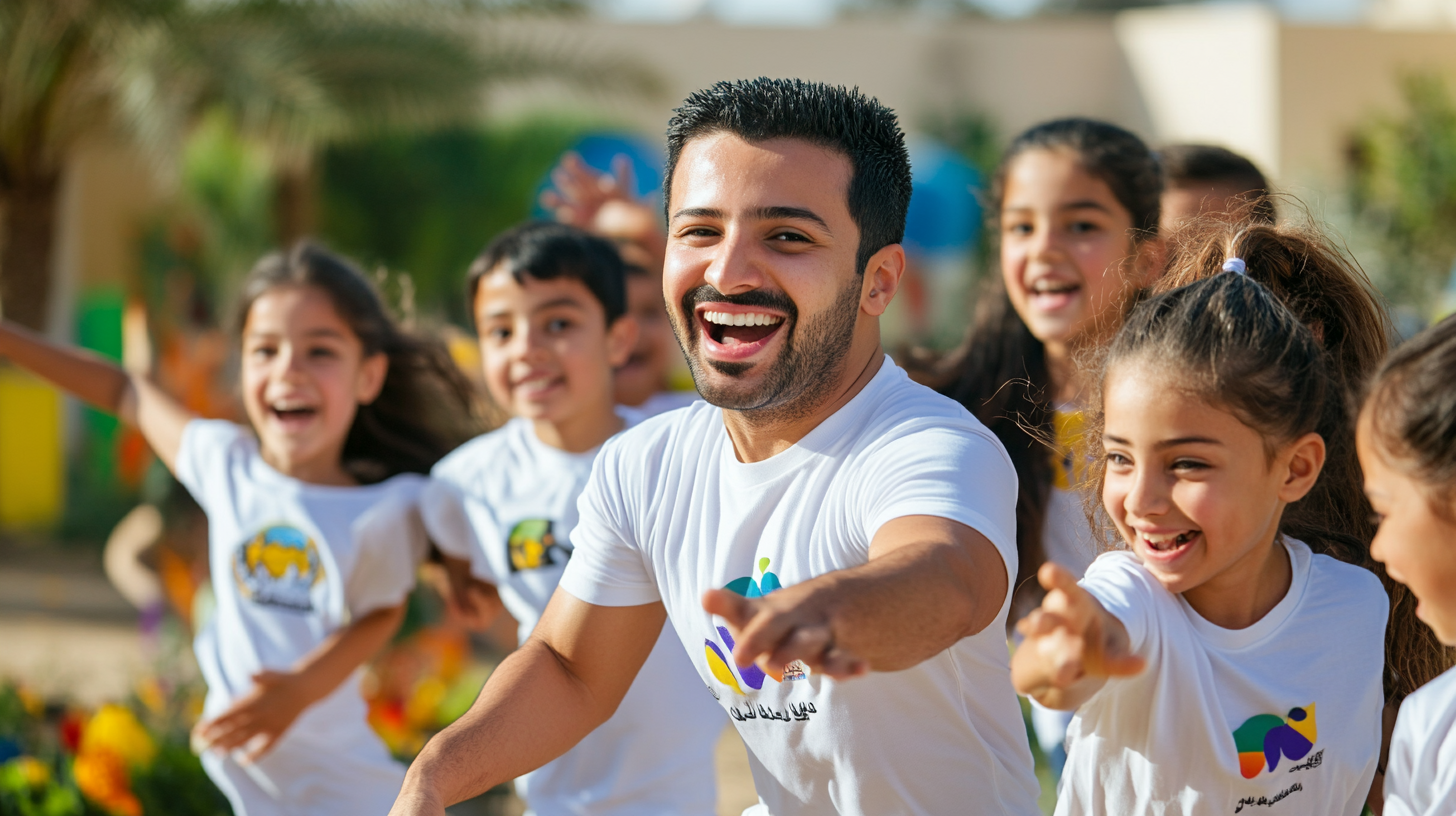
(32, 474)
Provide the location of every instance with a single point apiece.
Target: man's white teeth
(741, 318)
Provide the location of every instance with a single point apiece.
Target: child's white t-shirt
(506, 502)
(1279, 717)
(1420, 778)
(671, 512)
(292, 563)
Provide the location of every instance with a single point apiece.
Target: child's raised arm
(133, 398)
(1072, 645)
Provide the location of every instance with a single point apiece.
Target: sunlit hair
(842, 120)
(1000, 372)
(546, 250)
(424, 409)
(1410, 411)
(1282, 348)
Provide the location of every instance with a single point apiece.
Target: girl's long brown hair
(426, 407)
(1329, 294)
(1000, 373)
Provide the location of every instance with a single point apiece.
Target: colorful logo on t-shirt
(1264, 738)
(532, 545)
(752, 676)
(278, 567)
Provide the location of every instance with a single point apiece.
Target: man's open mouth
(739, 328)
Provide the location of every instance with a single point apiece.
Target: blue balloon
(945, 214)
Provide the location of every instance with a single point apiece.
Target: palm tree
(298, 74)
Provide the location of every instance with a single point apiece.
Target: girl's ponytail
(1329, 294)
(426, 407)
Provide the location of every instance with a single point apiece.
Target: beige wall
(1019, 72)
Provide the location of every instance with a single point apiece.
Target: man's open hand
(777, 629)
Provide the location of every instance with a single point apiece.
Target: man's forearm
(909, 605)
(531, 711)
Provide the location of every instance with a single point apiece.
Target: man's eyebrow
(772, 213)
(697, 212)
(764, 213)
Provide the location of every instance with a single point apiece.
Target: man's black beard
(808, 366)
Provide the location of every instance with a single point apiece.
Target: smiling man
(830, 541)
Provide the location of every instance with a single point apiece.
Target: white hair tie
(1235, 265)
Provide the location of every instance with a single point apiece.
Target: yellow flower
(115, 729)
(101, 776)
(33, 771)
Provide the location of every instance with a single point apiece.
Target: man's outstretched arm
(564, 681)
(929, 582)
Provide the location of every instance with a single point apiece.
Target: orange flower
(115, 729)
(101, 776)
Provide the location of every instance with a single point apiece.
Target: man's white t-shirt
(1280, 717)
(291, 564)
(506, 502)
(1420, 779)
(670, 513)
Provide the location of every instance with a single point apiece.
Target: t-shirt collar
(821, 441)
(1299, 563)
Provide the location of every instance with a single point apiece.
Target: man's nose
(734, 266)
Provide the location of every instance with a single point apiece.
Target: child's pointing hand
(1072, 645)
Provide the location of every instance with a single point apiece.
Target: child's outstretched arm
(259, 718)
(132, 398)
(1072, 645)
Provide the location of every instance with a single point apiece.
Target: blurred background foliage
(426, 205)
(1403, 191)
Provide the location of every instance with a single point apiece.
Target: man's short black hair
(1198, 165)
(546, 250)
(842, 120)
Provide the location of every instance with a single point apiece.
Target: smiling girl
(1077, 204)
(312, 516)
(1407, 443)
(1220, 663)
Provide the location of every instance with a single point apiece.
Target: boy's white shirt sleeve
(941, 472)
(202, 456)
(391, 543)
(607, 567)
(1117, 581)
(442, 506)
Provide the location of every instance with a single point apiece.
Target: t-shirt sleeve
(949, 473)
(607, 567)
(447, 522)
(1420, 777)
(391, 542)
(202, 458)
(1123, 588)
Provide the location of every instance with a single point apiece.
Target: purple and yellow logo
(1264, 738)
(752, 676)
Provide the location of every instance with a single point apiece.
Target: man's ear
(371, 377)
(882, 277)
(621, 339)
(1306, 457)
